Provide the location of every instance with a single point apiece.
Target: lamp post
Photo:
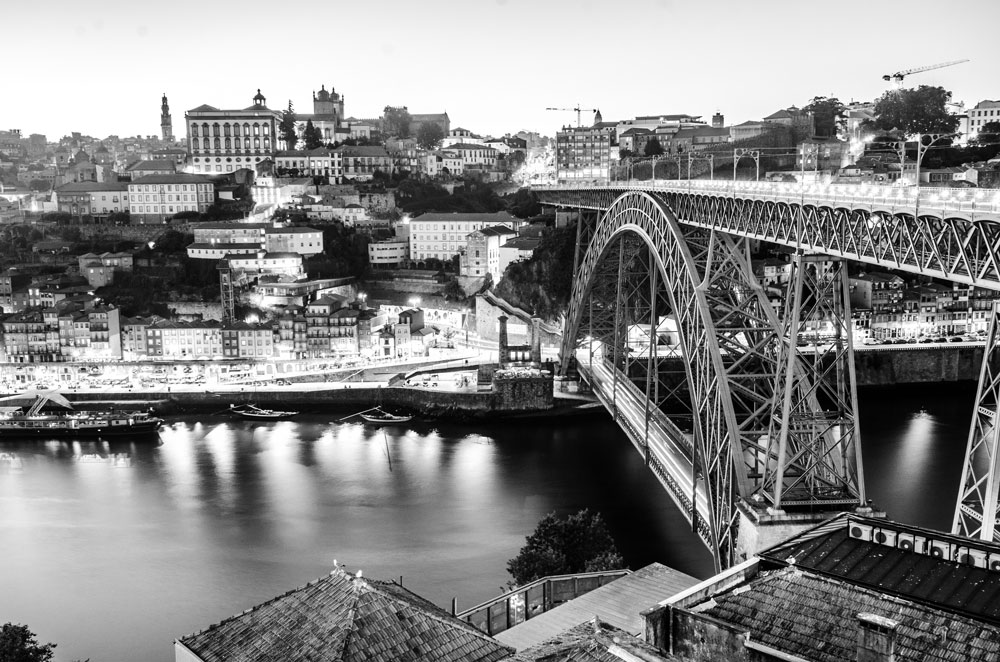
(739, 153)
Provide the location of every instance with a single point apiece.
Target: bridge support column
(976, 511)
(814, 456)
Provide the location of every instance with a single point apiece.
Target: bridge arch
(727, 336)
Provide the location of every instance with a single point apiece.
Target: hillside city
(331, 225)
(255, 247)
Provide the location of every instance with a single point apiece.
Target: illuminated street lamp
(739, 153)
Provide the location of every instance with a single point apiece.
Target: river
(112, 563)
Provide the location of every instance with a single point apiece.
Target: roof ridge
(257, 606)
(351, 613)
(438, 614)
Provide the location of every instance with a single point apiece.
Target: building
(94, 199)
(443, 236)
(359, 163)
(295, 239)
(215, 240)
(517, 249)
(983, 113)
(141, 169)
(242, 340)
(227, 140)
(327, 116)
(319, 162)
(99, 270)
(586, 153)
(393, 252)
(261, 263)
(851, 588)
(155, 198)
(166, 122)
(417, 120)
(348, 618)
(481, 255)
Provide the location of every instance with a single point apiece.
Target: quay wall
(915, 365)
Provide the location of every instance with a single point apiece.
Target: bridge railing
(970, 200)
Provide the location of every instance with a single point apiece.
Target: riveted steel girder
(977, 509)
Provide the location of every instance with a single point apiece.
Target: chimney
(718, 121)
(876, 638)
(504, 354)
(536, 341)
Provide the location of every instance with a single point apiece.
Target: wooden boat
(255, 413)
(36, 421)
(378, 416)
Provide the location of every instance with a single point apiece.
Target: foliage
(286, 128)
(477, 199)
(312, 136)
(523, 203)
(828, 116)
(513, 161)
(543, 283)
(173, 241)
(430, 135)
(19, 644)
(396, 122)
(989, 133)
(120, 218)
(653, 147)
(910, 111)
(345, 253)
(452, 290)
(39, 185)
(565, 545)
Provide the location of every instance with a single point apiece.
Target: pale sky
(99, 67)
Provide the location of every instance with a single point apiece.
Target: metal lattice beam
(977, 511)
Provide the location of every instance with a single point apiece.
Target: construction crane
(577, 110)
(898, 77)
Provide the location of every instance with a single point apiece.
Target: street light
(739, 153)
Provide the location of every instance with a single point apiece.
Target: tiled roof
(815, 617)
(344, 617)
(178, 178)
(361, 150)
(159, 164)
(499, 218)
(203, 108)
(85, 187)
(618, 603)
(593, 641)
(496, 231)
(291, 230)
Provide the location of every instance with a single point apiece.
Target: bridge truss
(679, 315)
(770, 425)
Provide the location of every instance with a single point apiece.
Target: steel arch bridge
(670, 326)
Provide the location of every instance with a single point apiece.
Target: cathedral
(327, 115)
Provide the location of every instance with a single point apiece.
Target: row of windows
(158, 188)
(230, 129)
(217, 143)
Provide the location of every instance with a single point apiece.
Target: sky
(494, 66)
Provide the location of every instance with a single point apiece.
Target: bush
(565, 545)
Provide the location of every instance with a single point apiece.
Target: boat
(378, 416)
(255, 413)
(39, 420)
(11, 461)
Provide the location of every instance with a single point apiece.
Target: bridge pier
(759, 528)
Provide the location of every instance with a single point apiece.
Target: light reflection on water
(113, 563)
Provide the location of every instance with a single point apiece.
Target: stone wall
(205, 310)
(917, 365)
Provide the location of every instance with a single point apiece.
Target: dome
(259, 98)
(323, 94)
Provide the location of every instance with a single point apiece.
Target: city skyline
(494, 66)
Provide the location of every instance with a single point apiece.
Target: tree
(430, 135)
(653, 147)
(920, 110)
(18, 644)
(38, 185)
(565, 545)
(989, 133)
(312, 135)
(286, 128)
(828, 116)
(396, 121)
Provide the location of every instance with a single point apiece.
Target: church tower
(166, 124)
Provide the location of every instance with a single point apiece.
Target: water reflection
(217, 515)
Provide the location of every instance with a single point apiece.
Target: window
(256, 129)
(215, 129)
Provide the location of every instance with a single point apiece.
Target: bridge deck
(669, 449)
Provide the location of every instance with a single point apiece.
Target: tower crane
(577, 110)
(898, 77)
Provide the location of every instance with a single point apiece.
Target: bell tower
(166, 124)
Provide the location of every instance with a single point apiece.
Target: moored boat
(38, 421)
(378, 416)
(255, 413)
